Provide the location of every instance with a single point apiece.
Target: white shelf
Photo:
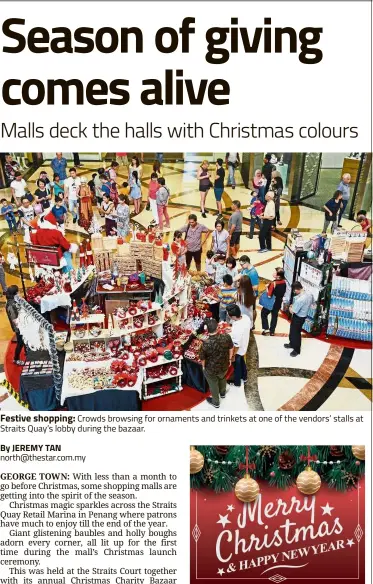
(162, 361)
(168, 376)
(91, 319)
(127, 331)
(155, 306)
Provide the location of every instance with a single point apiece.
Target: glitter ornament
(358, 452)
(308, 481)
(246, 489)
(196, 461)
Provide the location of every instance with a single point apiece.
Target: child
(220, 269)
(364, 222)
(60, 212)
(179, 248)
(57, 187)
(8, 211)
(232, 270)
(123, 216)
(227, 295)
(112, 171)
(256, 209)
(209, 268)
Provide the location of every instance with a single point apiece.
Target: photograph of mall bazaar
(185, 281)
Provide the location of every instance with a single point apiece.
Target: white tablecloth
(52, 301)
(68, 391)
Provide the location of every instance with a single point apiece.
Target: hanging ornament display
(336, 451)
(246, 489)
(358, 452)
(308, 482)
(286, 460)
(196, 460)
(81, 254)
(88, 251)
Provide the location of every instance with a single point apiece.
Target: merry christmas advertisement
(277, 513)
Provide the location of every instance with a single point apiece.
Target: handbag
(267, 301)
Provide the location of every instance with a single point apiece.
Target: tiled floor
(322, 377)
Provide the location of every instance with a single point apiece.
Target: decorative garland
(14, 393)
(47, 339)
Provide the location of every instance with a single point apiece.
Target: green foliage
(278, 465)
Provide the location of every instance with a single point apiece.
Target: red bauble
(222, 450)
(336, 451)
(286, 460)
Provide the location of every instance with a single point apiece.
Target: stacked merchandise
(348, 245)
(350, 313)
(292, 254)
(314, 280)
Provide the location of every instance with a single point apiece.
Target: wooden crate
(141, 250)
(152, 268)
(126, 265)
(103, 260)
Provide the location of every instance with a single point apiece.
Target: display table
(193, 375)
(37, 389)
(93, 399)
(52, 301)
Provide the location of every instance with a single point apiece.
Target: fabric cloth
(265, 235)
(295, 333)
(240, 334)
(219, 179)
(345, 190)
(217, 384)
(302, 303)
(19, 187)
(59, 167)
(227, 296)
(12, 314)
(215, 352)
(72, 185)
(110, 400)
(194, 236)
(218, 192)
(220, 241)
(193, 375)
(235, 219)
(51, 238)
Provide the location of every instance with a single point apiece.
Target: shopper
(76, 159)
(256, 210)
(7, 210)
(123, 216)
(299, 309)
(157, 167)
(220, 238)
(178, 247)
(259, 184)
(12, 313)
(235, 228)
(240, 334)
(219, 186)
(60, 212)
(227, 296)
(246, 298)
(209, 264)
(277, 188)
(216, 355)
(232, 267)
(18, 187)
(42, 198)
(344, 188)
(265, 234)
(72, 187)
(193, 237)
(248, 270)
(10, 168)
(135, 190)
(220, 269)
(204, 176)
(112, 170)
(85, 205)
(57, 187)
(162, 198)
(26, 214)
(362, 219)
(152, 198)
(276, 289)
(267, 170)
(135, 166)
(232, 160)
(332, 209)
(2, 274)
(59, 165)
(46, 180)
(107, 210)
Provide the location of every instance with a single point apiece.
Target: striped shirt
(227, 296)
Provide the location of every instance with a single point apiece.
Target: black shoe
(75, 220)
(209, 401)
(265, 333)
(294, 354)
(223, 396)
(288, 346)
(204, 215)
(271, 334)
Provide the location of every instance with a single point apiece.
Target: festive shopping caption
(174, 89)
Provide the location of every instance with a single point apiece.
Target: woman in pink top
(152, 198)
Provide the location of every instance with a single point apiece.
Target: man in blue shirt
(344, 187)
(299, 309)
(59, 165)
(249, 270)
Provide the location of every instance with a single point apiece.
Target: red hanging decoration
(309, 458)
(89, 254)
(82, 260)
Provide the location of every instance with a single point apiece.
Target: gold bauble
(308, 481)
(358, 452)
(196, 460)
(246, 489)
